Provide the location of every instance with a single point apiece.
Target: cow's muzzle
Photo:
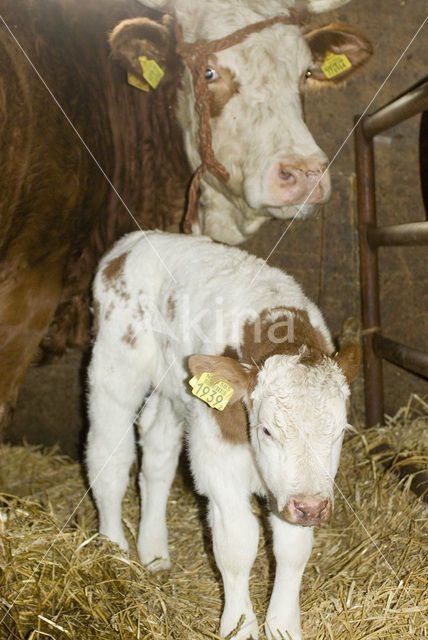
(307, 511)
(295, 180)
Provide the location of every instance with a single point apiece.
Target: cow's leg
(28, 299)
(292, 547)
(161, 436)
(116, 389)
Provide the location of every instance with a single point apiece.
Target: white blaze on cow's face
(298, 419)
(257, 124)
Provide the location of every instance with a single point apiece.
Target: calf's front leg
(292, 547)
(235, 538)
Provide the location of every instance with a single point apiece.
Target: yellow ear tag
(151, 71)
(138, 83)
(335, 64)
(216, 394)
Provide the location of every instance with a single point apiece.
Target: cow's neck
(228, 220)
(284, 331)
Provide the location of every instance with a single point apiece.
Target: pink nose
(307, 510)
(297, 180)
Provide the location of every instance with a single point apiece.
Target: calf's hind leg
(161, 437)
(115, 394)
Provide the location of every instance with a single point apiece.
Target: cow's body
(58, 212)
(62, 207)
(160, 299)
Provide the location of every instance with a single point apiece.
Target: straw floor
(367, 577)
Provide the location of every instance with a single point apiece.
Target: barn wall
(321, 253)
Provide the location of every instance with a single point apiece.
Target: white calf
(160, 298)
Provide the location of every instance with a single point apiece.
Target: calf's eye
(210, 74)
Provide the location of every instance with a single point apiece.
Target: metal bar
(404, 467)
(400, 109)
(414, 233)
(423, 159)
(373, 380)
(401, 355)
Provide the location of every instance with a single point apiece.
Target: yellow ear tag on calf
(151, 71)
(335, 64)
(216, 394)
(138, 83)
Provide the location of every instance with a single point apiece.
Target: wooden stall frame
(377, 347)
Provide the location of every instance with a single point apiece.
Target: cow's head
(296, 406)
(256, 90)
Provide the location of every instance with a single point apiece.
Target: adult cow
(85, 157)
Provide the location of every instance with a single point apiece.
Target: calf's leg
(161, 432)
(235, 539)
(292, 547)
(115, 393)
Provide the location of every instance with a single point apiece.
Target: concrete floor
(322, 253)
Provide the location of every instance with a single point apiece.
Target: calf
(167, 304)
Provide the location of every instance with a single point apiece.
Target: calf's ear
(241, 377)
(331, 41)
(349, 358)
(137, 37)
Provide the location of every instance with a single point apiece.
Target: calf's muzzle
(307, 510)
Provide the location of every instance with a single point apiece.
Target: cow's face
(298, 420)
(257, 124)
(256, 120)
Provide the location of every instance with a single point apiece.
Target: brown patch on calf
(129, 336)
(284, 335)
(114, 269)
(112, 275)
(221, 89)
(171, 307)
(233, 423)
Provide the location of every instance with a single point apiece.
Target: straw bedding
(366, 579)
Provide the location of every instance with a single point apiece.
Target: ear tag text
(335, 64)
(216, 394)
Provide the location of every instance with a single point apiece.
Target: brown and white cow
(85, 157)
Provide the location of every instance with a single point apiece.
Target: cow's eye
(210, 74)
(308, 73)
(267, 432)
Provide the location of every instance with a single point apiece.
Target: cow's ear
(133, 39)
(338, 50)
(241, 377)
(349, 358)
